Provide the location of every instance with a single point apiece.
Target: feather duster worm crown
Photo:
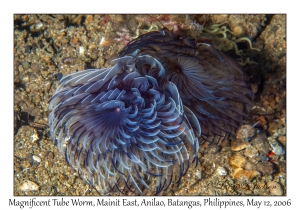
(210, 84)
(138, 122)
(120, 129)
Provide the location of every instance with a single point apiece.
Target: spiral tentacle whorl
(210, 84)
(119, 129)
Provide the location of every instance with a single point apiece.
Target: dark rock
(282, 166)
(58, 76)
(263, 157)
(265, 167)
(260, 142)
(27, 49)
(50, 155)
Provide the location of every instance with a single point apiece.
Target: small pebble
(67, 60)
(263, 157)
(119, 18)
(34, 137)
(276, 146)
(199, 174)
(47, 85)
(25, 79)
(237, 161)
(245, 175)
(36, 27)
(59, 76)
(81, 50)
(39, 25)
(24, 18)
(221, 171)
(27, 49)
(245, 132)
(50, 155)
(265, 167)
(275, 188)
(29, 186)
(77, 20)
(249, 166)
(36, 158)
(282, 131)
(263, 121)
(260, 142)
(74, 41)
(26, 65)
(104, 41)
(92, 46)
(282, 139)
(89, 19)
(25, 165)
(273, 127)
